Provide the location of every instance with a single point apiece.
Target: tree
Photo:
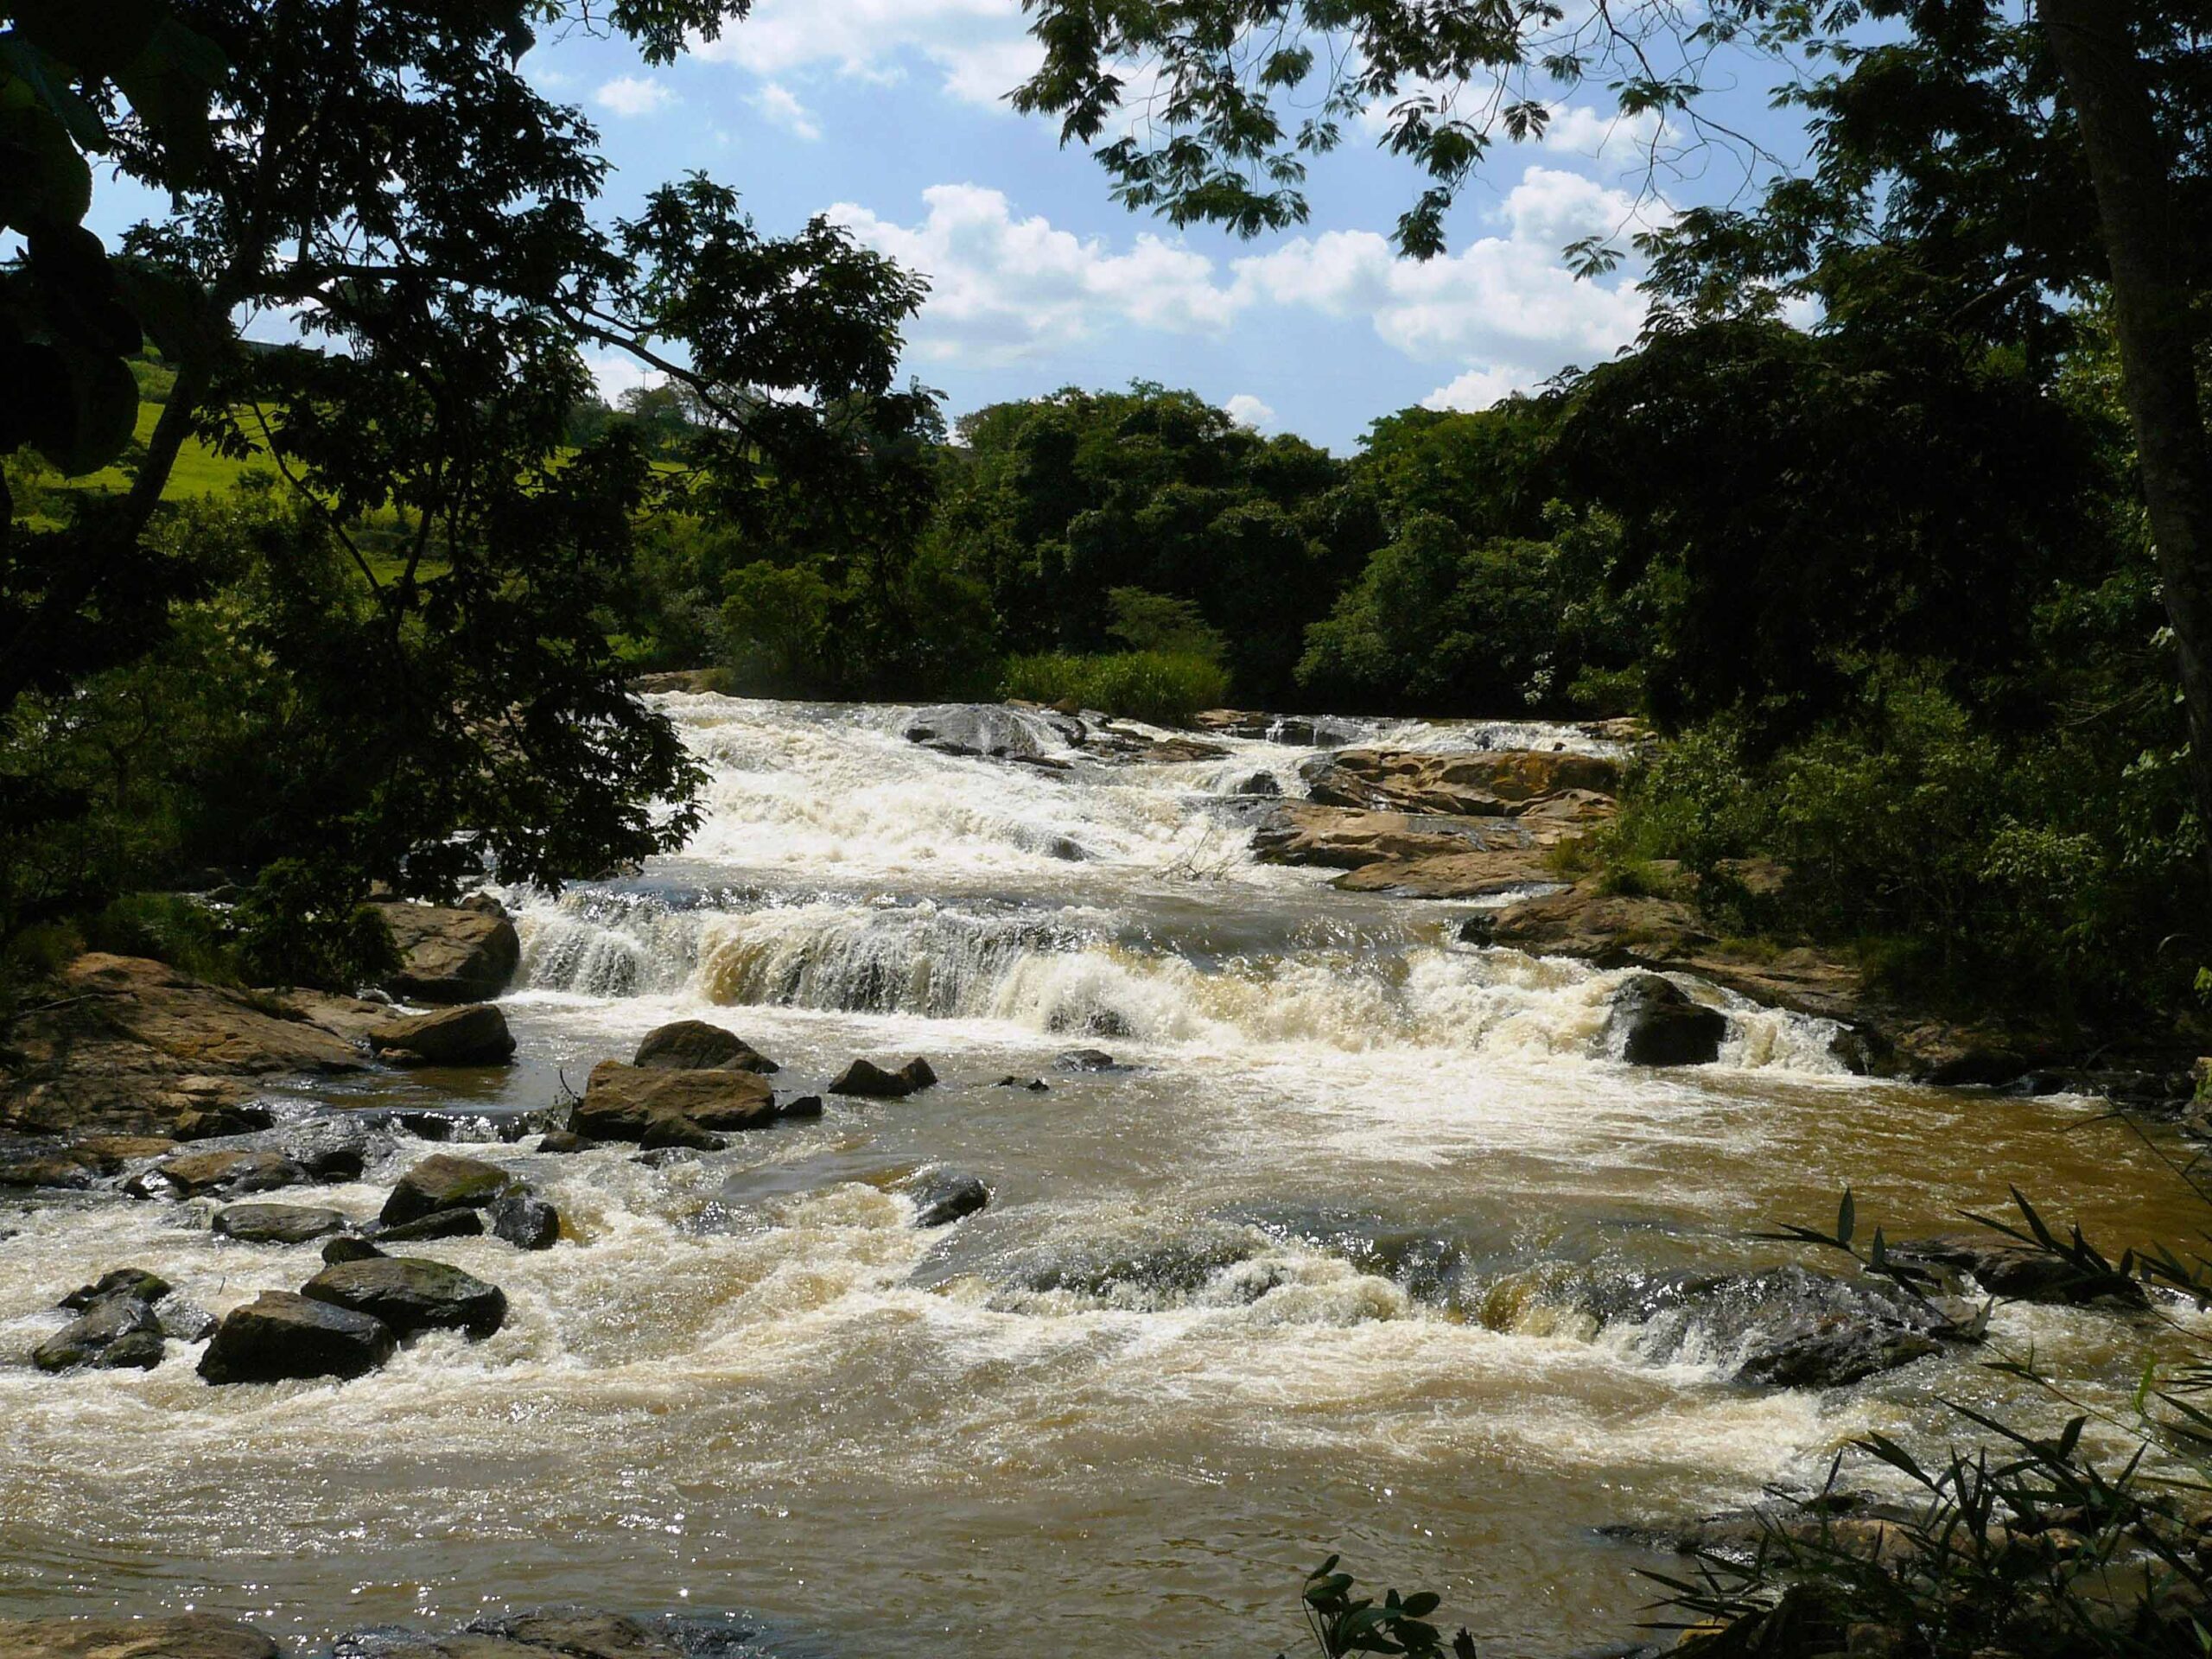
(382, 169)
(1991, 167)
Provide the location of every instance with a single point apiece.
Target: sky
(889, 117)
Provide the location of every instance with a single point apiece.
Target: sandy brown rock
(476, 1035)
(191, 1636)
(130, 1045)
(1501, 783)
(620, 1102)
(450, 954)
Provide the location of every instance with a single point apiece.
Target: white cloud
(1504, 308)
(1003, 289)
(617, 373)
(1246, 411)
(634, 95)
(1600, 134)
(979, 49)
(777, 104)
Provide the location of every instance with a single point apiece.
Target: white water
(1181, 1356)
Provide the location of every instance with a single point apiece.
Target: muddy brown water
(1286, 1285)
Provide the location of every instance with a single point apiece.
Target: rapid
(1295, 1274)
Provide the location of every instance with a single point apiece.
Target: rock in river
(471, 1036)
(279, 1336)
(2019, 1271)
(621, 1102)
(196, 1174)
(444, 1181)
(191, 1636)
(450, 955)
(695, 1045)
(1659, 1024)
(410, 1293)
(526, 1222)
(870, 1081)
(277, 1223)
(943, 1196)
(119, 1332)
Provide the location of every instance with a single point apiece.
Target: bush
(1164, 688)
(168, 927)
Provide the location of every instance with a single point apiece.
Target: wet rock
(55, 1172)
(565, 1142)
(445, 1181)
(183, 1321)
(695, 1045)
(468, 1036)
(1658, 1024)
(134, 1284)
(457, 1222)
(332, 1148)
(1783, 1327)
(1495, 783)
(805, 1106)
(992, 730)
(280, 1336)
(622, 1102)
(1142, 1267)
(277, 1223)
(1263, 784)
(943, 1196)
(424, 1125)
(581, 1635)
(349, 1249)
(526, 1222)
(409, 1293)
(672, 1130)
(918, 1074)
(1086, 1060)
(450, 955)
(1034, 1085)
(662, 1157)
(198, 1174)
(218, 1123)
(2016, 1272)
(192, 1636)
(117, 1333)
(869, 1081)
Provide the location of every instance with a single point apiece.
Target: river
(1290, 1280)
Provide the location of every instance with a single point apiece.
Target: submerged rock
(450, 955)
(1659, 1024)
(666, 1130)
(943, 1196)
(120, 1332)
(622, 1103)
(578, 1635)
(565, 1142)
(1086, 1060)
(280, 1336)
(2016, 1272)
(469, 1036)
(805, 1106)
(277, 1223)
(408, 1295)
(695, 1045)
(445, 1181)
(1784, 1327)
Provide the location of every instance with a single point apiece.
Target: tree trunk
(2144, 239)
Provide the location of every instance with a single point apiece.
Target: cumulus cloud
(633, 95)
(1004, 288)
(779, 104)
(979, 48)
(617, 372)
(1246, 411)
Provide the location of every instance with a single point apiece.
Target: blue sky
(888, 115)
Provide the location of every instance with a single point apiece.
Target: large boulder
(450, 955)
(470, 1036)
(621, 1102)
(695, 1045)
(188, 1636)
(1658, 1023)
(992, 730)
(197, 1174)
(445, 1181)
(120, 1332)
(409, 1294)
(1498, 782)
(277, 1223)
(280, 1336)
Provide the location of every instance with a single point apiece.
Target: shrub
(1164, 688)
(168, 927)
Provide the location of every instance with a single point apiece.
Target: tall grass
(1165, 688)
